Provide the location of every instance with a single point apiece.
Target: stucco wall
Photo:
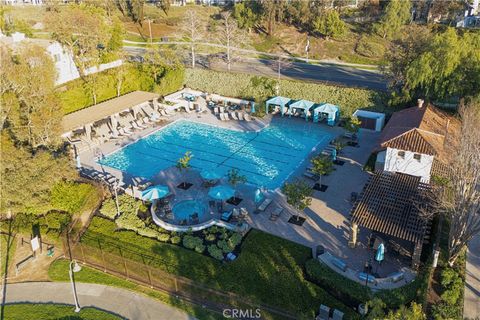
(408, 165)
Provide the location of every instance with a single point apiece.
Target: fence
(120, 265)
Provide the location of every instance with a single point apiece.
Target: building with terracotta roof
(416, 141)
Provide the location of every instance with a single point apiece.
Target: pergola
(389, 204)
(331, 111)
(277, 101)
(305, 105)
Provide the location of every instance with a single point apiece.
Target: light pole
(115, 187)
(76, 268)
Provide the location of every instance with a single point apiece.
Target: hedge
(239, 85)
(75, 96)
(353, 293)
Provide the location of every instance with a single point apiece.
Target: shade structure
(221, 192)
(277, 101)
(155, 192)
(305, 105)
(210, 174)
(380, 255)
(326, 110)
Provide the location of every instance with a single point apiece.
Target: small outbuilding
(370, 120)
(326, 111)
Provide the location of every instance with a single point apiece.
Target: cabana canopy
(332, 112)
(277, 101)
(305, 105)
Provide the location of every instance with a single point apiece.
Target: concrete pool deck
(327, 219)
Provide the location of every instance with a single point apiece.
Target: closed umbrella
(380, 255)
(210, 174)
(155, 192)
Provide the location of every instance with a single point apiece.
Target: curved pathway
(122, 302)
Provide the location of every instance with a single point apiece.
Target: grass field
(268, 270)
(37, 311)
(7, 249)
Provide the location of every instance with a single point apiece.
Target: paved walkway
(472, 285)
(125, 303)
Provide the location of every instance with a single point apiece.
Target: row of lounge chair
(234, 115)
(102, 177)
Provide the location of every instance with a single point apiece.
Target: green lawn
(268, 270)
(28, 311)
(58, 271)
(7, 248)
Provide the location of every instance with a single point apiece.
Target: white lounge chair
(247, 117)
(124, 132)
(264, 205)
(240, 116)
(216, 111)
(226, 116)
(233, 115)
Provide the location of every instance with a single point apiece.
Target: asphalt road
(330, 73)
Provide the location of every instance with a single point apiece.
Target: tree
(192, 29)
(183, 164)
(415, 312)
(376, 308)
(299, 194)
(245, 15)
(459, 199)
(322, 165)
(87, 34)
(329, 24)
(234, 177)
(397, 13)
(30, 106)
(28, 178)
(439, 67)
(272, 12)
(163, 4)
(231, 37)
(352, 125)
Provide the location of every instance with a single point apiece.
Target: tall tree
(272, 13)
(458, 198)
(31, 110)
(192, 29)
(441, 67)
(231, 37)
(397, 13)
(299, 195)
(322, 165)
(329, 24)
(245, 15)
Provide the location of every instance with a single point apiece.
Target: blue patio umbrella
(155, 192)
(380, 255)
(252, 109)
(221, 192)
(210, 174)
(334, 154)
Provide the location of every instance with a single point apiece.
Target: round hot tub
(186, 209)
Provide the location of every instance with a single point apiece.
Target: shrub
(211, 237)
(215, 252)
(171, 81)
(225, 246)
(147, 232)
(109, 209)
(176, 239)
(239, 85)
(235, 240)
(164, 237)
(55, 220)
(191, 242)
(71, 196)
(200, 248)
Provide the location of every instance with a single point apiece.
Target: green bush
(55, 220)
(215, 252)
(164, 237)
(200, 248)
(109, 208)
(191, 242)
(71, 196)
(171, 81)
(240, 85)
(147, 232)
(211, 237)
(176, 239)
(235, 240)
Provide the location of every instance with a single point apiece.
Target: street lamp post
(76, 268)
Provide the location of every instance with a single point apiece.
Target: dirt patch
(35, 269)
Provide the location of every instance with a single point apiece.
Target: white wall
(408, 165)
(379, 118)
(66, 68)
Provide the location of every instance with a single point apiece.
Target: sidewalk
(125, 303)
(471, 309)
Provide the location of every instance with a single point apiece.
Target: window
(401, 154)
(417, 157)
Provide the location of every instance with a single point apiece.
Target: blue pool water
(266, 157)
(184, 209)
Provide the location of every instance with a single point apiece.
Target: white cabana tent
(326, 110)
(305, 105)
(282, 102)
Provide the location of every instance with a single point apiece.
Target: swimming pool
(186, 208)
(266, 157)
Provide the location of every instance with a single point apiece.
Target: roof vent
(420, 103)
